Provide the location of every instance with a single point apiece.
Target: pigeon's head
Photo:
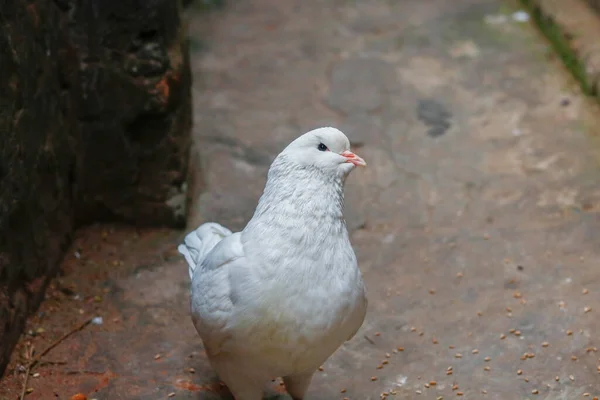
(326, 149)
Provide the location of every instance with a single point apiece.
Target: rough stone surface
(134, 112)
(490, 229)
(95, 112)
(37, 124)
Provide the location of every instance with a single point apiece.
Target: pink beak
(354, 159)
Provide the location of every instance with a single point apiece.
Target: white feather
(199, 243)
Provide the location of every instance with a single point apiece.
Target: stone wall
(95, 112)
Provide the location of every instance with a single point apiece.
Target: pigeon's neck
(299, 206)
(298, 224)
(294, 191)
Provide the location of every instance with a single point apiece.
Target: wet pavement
(476, 223)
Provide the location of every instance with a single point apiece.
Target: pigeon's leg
(241, 382)
(248, 394)
(245, 390)
(297, 385)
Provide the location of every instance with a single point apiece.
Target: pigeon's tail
(199, 243)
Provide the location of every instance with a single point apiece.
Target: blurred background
(123, 125)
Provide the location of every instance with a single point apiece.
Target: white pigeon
(278, 298)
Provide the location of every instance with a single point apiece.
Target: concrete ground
(476, 223)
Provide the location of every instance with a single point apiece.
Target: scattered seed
(479, 313)
(586, 395)
(535, 391)
(487, 359)
(450, 347)
(377, 333)
(418, 391)
(486, 368)
(512, 330)
(517, 333)
(191, 370)
(459, 393)
(450, 368)
(388, 355)
(413, 329)
(483, 391)
(475, 351)
(426, 385)
(29, 390)
(448, 372)
(526, 379)
(459, 274)
(385, 362)
(508, 309)
(321, 368)
(172, 394)
(569, 333)
(556, 378)
(379, 366)
(434, 341)
(545, 344)
(432, 383)
(431, 291)
(585, 291)
(156, 357)
(343, 391)
(36, 375)
(574, 358)
(400, 348)
(421, 333)
(520, 372)
(587, 309)
(502, 336)
(458, 355)
(571, 377)
(455, 387)
(439, 398)
(373, 378)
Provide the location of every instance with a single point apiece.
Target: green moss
(561, 46)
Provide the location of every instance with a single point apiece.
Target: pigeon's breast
(295, 322)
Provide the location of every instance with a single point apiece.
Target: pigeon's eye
(322, 147)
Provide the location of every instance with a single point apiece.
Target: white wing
(199, 243)
(211, 293)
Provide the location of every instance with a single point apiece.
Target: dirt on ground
(476, 222)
